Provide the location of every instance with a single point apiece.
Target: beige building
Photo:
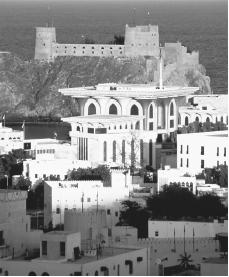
(61, 255)
(196, 151)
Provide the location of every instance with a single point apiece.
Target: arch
(78, 128)
(104, 151)
(134, 110)
(90, 109)
(207, 119)
(151, 111)
(114, 151)
(171, 109)
(186, 120)
(32, 273)
(197, 119)
(113, 107)
(96, 273)
(45, 274)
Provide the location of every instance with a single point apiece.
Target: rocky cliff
(30, 89)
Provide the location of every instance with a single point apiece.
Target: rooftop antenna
(161, 69)
(148, 17)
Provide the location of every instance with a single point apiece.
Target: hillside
(30, 89)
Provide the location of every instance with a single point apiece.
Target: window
(151, 111)
(123, 151)
(44, 175)
(104, 151)
(171, 109)
(91, 109)
(116, 214)
(202, 164)
(108, 211)
(35, 175)
(202, 150)
(207, 119)
(171, 123)
(217, 153)
(89, 200)
(187, 164)
(44, 247)
(197, 119)
(181, 162)
(187, 151)
(113, 109)
(134, 110)
(114, 151)
(139, 259)
(151, 126)
(62, 248)
(217, 163)
(225, 152)
(181, 149)
(221, 119)
(156, 233)
(186, 121)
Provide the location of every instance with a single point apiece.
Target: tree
(134, 215)
(23, 184)
(185, 261)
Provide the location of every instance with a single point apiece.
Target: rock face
(30, 89)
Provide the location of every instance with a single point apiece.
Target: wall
(214, 269)
(165, 229)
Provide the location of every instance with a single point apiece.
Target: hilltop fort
(139, 41)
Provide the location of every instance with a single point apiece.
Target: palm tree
(185, 261)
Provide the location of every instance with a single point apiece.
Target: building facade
(114, 116)
(210, 151)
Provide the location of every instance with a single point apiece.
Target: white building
(196, 151)
(205, 108)
(112, 114)
(189, 229)
(10, 139)
(169, 176)
(61, 255)
(83, 195)
(15, 234)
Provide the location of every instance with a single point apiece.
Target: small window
(217, 163)
(202, 163)
(36, 176)
(217, 152)
(225, 152)
(108, 211)
(89, 200)
(187, 164)
(116, 214)
(181, 149)
(202, 150)
(62, 248)
(44, 247)
(156, 233)
(187, 149)
(181, 162)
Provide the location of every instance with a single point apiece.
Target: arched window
(96, 273)
(78, 128)
(221, 119)
(171, 109)
(114, 151)
(123, 151)
(32, 273)
(151, 111)
(207, 119)
(91, 109)
(186, 121)
(45, 274)
(104, 151)
(137, 126)
(134, 110)
(197, 119)
(113, 109)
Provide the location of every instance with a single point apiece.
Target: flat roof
(223, 134)
(102, 119)
(138, 91)
(216, 260)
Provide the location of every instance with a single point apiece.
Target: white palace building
(119, 123)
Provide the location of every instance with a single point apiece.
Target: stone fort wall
(139, 41)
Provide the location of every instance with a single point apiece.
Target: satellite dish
(158, 261)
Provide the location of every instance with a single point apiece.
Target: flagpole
(184, 239)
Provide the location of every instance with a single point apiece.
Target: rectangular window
(44, 248)
(217, 163)
(202, 163)
(62, 248)
(108, 212)
(171, 123)
(35, 175)
(202, 150)
(116, 213)
(225, 152)
(187, 149)
(151, 126)
(181, 162)
(181, 149)
(89, 200)
(187, 164)
(156, 233)
(217, 154)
